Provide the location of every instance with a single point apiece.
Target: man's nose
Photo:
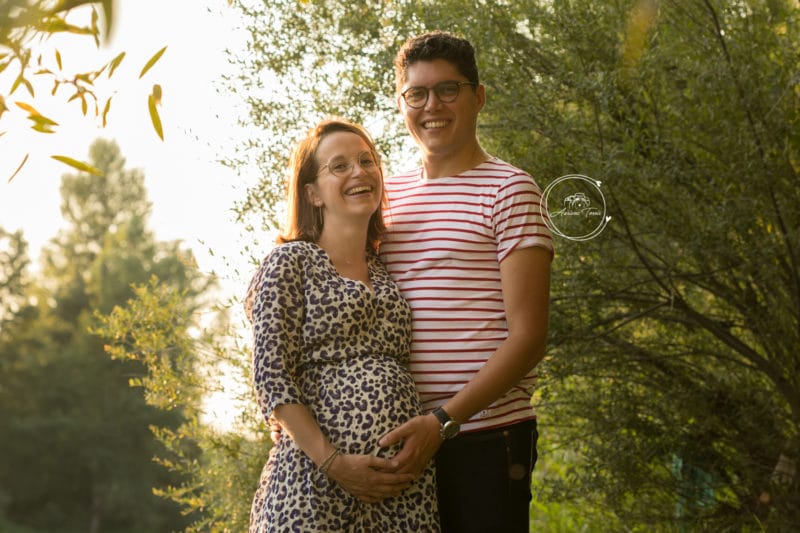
(433, 100)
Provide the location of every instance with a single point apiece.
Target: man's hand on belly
(421, 439)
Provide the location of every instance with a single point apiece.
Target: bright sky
(192, 195)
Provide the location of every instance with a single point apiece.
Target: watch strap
(448, 428)
(442, 416)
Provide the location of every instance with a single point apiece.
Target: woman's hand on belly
(370, 479)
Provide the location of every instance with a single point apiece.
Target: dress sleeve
(518, 218)
(275, 306)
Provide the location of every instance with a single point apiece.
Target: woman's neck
(346, 248)
(344, 245)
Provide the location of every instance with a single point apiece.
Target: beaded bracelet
(326, 464)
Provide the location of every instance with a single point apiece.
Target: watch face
(450, 429)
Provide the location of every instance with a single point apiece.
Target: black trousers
(484, 480)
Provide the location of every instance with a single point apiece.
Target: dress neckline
(369, 286)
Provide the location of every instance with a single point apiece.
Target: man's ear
(480, 93)
(311, 195)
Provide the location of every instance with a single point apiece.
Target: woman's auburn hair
(302, 223)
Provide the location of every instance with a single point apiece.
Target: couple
(338, 360)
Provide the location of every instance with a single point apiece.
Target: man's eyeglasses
(342, 166)
(446, 91)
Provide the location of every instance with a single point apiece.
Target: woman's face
(349, 182)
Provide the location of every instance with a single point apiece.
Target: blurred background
(142, 155)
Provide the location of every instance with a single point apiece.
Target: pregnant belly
(359, 400)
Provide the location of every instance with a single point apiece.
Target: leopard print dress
(331, 344)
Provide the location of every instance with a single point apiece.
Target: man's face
(440, 128)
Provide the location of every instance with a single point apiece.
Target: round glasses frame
(342, 167)
(446, 92)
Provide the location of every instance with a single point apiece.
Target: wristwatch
(449, 427)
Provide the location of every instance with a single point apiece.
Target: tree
(77, 449)
(13, 271)
(218, 468)
(665, 316)
(673, 369)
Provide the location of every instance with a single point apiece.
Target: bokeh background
(670, 396)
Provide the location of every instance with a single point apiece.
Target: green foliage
(158, 338)
(13, 272)
(218, 468)
(559, 514)
(673, 331)
(672, 378)
(336, 65)
(77, 451)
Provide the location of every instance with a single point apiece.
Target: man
(469, 248)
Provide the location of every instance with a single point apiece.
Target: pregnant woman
(331, 339)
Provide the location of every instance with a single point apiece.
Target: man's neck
(442, 165)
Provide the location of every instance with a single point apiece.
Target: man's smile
(434, 124)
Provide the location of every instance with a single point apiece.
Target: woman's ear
(311, 195)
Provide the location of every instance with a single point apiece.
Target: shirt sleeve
(275, 306)
(518, 217)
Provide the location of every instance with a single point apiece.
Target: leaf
(157, 93)
(15, 85)
(84, 106)
(152, 61)
(51, 25)
(151, 104)
(96, 74)
(24, 160)
(56, 84)
(79, 165)
(42, 127)
(28, 86)
(27, 107)
(40, 122)
(56, 25)
(108, 16)
(40, 119)
(112, 66)
(106, 109)
(58, 59)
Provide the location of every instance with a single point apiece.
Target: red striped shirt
(445, 240)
